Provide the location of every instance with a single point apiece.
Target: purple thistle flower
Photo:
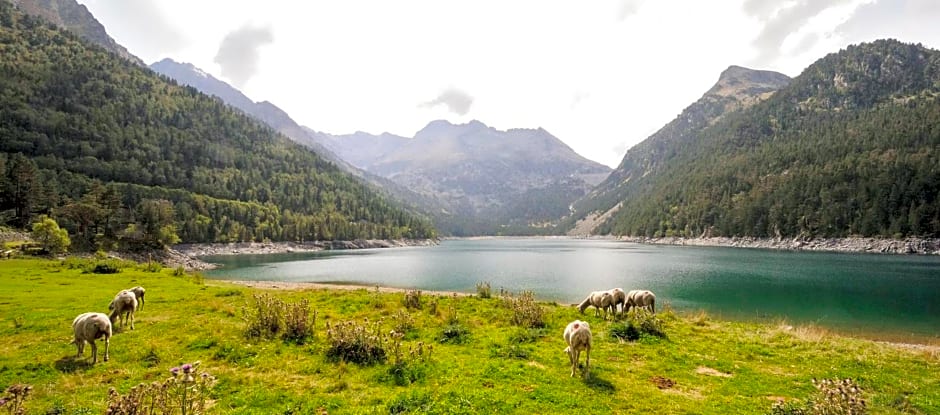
(187, 368)
(3, 401)
(175, 371)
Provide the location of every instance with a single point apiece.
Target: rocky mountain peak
(738, 81)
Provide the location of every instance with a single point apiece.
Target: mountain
(266, 112)
(112, 150)
(850, 147)
(70, 15)
(491, 181)
(737, 88)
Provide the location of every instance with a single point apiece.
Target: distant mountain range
(470, 179)
(851, 147)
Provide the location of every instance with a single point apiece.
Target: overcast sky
(601, 75)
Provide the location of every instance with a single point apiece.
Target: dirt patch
(662, 383)
(702, 370)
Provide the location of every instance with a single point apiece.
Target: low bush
(832, 397)
(525, 311)
(454, 331)
(484, 290)
(186, 391)
(271, 317)
(362, 344)
(412, 299)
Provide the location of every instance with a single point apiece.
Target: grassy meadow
(489, 365)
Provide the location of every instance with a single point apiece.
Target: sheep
(89, 327)
(578, 337)
(641, 298)
(619, 298)
(139, 294)
(123, 306)
(601, 300)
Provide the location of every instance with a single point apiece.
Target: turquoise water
(857, 293)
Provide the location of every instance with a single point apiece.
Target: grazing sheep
(89, 327)
(619, 299)
(578, 337)
(123, 306)
(601, 300)
(139, 293)
(641, 298)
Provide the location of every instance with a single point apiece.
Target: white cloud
(456, 101)
(238, 54)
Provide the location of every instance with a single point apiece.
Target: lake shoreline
(918, 343)
(907, 246)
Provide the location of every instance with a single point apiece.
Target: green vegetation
(849, 148)
(119, 155)
(701, 366)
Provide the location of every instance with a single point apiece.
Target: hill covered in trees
(114, 151)
(851, 147)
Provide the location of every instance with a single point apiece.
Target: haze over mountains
(471, 179)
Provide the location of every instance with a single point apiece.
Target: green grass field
(715, 367)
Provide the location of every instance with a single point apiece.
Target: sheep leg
(132, 319)
(587, 361)
(94, 352)
(107, 347)
(574, 361)
(80, 345)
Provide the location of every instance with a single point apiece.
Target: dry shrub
(272, 317)
(525, 311)
(833, 397)
(185, 392)
(412, 299)
(362, 344)
(484, 290)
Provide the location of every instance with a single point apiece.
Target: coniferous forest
(850, 148)
(116, 153)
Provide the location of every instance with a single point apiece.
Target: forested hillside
(850, 147)
(113, 150)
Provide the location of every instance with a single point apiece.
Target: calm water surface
(857, 293)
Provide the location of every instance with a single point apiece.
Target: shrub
(454, 332)
(14, 397)
(407, 367)
(646, 322)
(412, 299)
(625, 330)
(185, 392)
(51, 238)
(833, 397)
(152, 266)
(403, 322)
(483, 289)
(179, 271)
(272, 317)
(298, 322)
(264, 320)
(357, 343)
(525, 311)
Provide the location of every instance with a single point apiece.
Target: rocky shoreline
(919, 246)
(188, 255)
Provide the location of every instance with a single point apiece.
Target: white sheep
(139, 293)
(619, 299)
(601, 300)
(641, 298)
(89, 327)
(123, 306)
(578, 337)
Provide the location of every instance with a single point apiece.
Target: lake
(885, 296)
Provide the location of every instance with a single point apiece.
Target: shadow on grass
(599, 384)
(72, 364)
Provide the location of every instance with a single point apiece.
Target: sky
(600, 75)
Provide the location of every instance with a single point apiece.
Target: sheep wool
(123, 307)
(89, 327)
(578, 337)
(641, 298)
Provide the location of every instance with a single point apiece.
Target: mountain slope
(737, 88)
(849, 147)
(514, 181)
(68, 14)
(83, 118)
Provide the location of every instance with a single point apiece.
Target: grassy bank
(701, 366)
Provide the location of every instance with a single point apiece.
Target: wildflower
(175, 371)
(187, 368)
